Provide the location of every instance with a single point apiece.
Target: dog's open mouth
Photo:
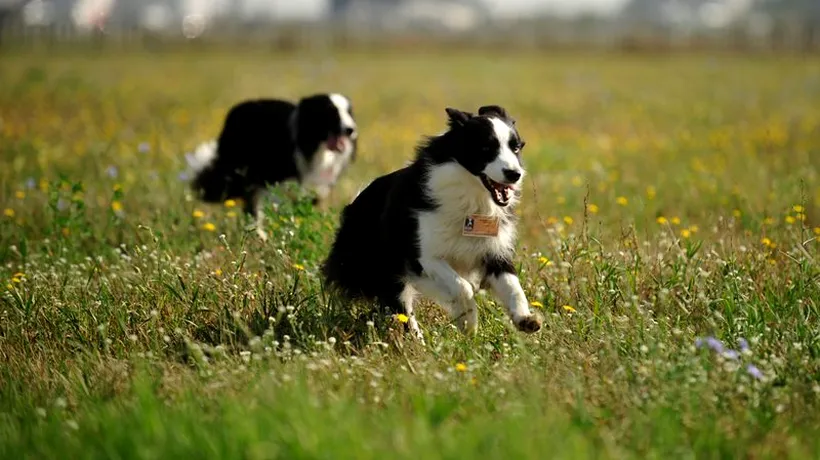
(336, 143)
(499, 192)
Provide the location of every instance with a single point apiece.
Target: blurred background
(627, 24)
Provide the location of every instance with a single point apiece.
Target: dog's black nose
(512, 175)
(349, 131)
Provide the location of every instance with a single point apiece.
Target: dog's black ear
(496, 110)
(457, 117)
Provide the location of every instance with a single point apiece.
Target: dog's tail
(205, 180)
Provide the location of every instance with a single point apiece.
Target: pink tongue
(335, 143)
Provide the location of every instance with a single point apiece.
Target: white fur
(505, 159)
(407, 298)
(203, 156)
(453, 263)
(508, 289)
(343, 106)
(326, 166)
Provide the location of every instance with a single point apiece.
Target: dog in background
(442, 227)
(267, 141)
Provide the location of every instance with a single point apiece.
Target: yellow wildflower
(694, 228)
(230, 203)
(768, 221)
(561, 200)
(402, 318)
(116, 206)
(537, 304)
(298, 267)
(198, 214)
(800, 216)
(768, 243)
(621, 200)
(209, 227)
(790, 220)
(117, 187)
(568, 309)
(576, 181)
(568, 220)
(685, 233)
(592, 208)
(661, 220)
(544, 261)
(231, 214)
(817, 231)
(461, 367)
(651, 192)
(218, 272)
(676, 220)
(552, 220)
(43, 185)
(8, 212)
(737, 213)
(798, 208)
(20, 194)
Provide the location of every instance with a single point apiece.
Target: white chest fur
(460, 194)
(324, 169)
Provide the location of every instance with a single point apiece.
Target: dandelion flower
(402, 318)
(544, 261)
(461, 367)
(622, 201)
(694, 228)
(798, 208)
(231, 214)
(800, 216)
(20, 194)
(661, 220)
(8, 212)
(768, 221)
(207, 226)
(817, 231)
(737, 213)
(676, 221)
(685, 233)
(552, 220)
(568, 220)
(568, 309)
(116, 206)
(218, 272)
(768, 243)
(592, 208)
(790, 220)
(537, 304)
(198, 214)
(230, 203)
(299, 267)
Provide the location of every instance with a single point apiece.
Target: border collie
(442, 227)
(267, 141)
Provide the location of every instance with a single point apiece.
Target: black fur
(376, 245)
(257, 145)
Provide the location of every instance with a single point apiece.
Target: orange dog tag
(480, 226)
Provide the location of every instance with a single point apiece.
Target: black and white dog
(442, 227)
(267, 141)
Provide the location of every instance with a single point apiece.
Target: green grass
(668, 199)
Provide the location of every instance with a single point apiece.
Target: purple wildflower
(731, 354)
(31, 183)
(752, 370)
(112, 172)
(744, 345)
(144, 147)
(710, 342)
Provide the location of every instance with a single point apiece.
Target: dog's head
(325, 121)
(489, 147)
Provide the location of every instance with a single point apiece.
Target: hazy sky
(311, 8)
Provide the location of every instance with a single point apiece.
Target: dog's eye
(516, 146)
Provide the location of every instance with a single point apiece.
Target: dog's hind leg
(253, 207)
(406, 299)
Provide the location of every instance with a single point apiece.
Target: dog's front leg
(506, 286)
(441, 283)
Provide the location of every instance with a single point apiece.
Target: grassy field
(669, 234)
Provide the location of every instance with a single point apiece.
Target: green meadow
(669, 235)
